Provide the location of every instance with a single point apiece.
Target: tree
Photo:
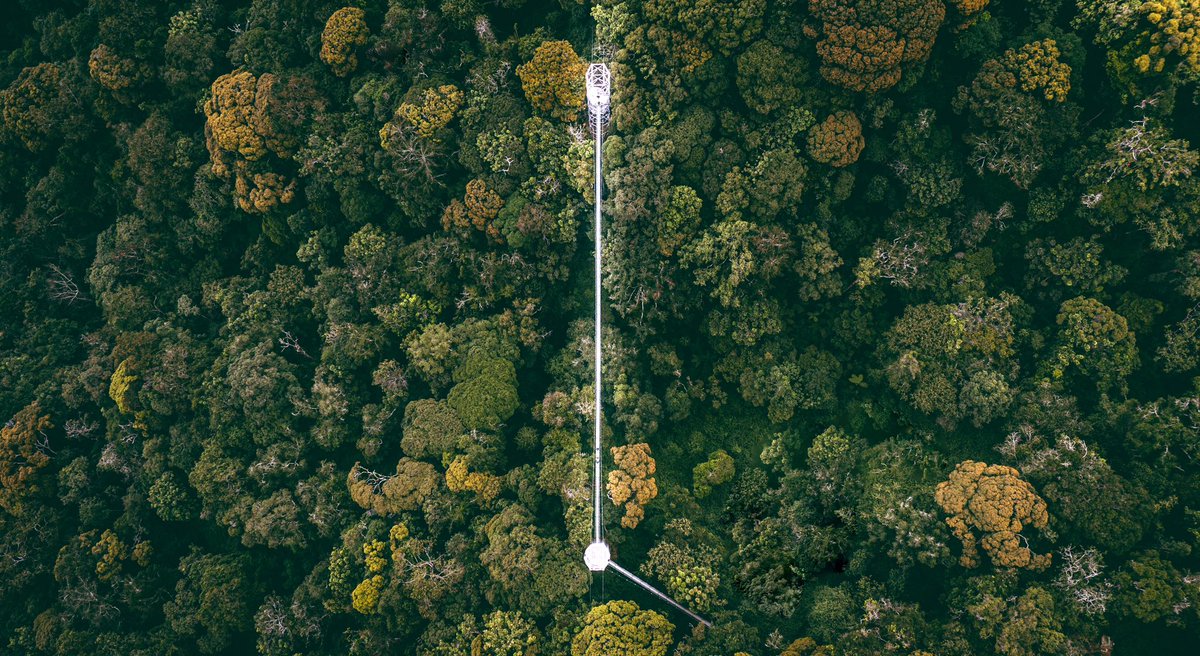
(954, 361)
(412, 484)
(816, 264)
(774, 185)
(1081, 579)
(114, 72)
(431, 428)
(1095, 340)
(23, 454)
(786, 381)
(724, 24)
(427, 112)
(722, 258)
(478, 209)
(993, 500)
(365, 596)
(428, 352)
(1181, 350)
(1143, 175)
(235, 121)
(1147, 155)
(1173, 34)
(968, 9)
(1149, 589)
(460, 479)
(766, 568)
(250, 393)
(1038, 69)
(275, 522)
(485, 392)
(1025, 626)
(1077, 264)
(1097, 505)
(427, 575)
(553, 80)
(680, 220)
(1015, 101)
(831, 460)
(865, 44)
(211, 605)
(631, 483)
(506, 633)
(770, 78)
(1151, 39)
(191, 50)
(260, 192)
(533, 571)
(687, 564)
(248, 118)
(112, 552)
(36, 108)
(1159, 439)
(836, 141)
(169, 500)
(285, 626)
(717, 470)
(345, 30)
(897, 507)
(620, 628)
(808, 647)
(833, 612)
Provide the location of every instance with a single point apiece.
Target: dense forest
(902, 338)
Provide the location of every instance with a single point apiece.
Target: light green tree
(620, 628)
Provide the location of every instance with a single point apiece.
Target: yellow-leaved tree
(248, 118)
(553, 80)
(22, 456)
(345, 30)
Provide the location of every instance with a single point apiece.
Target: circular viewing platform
(597, 556)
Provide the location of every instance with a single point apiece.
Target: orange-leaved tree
(996, 502)
(632, 483)
(865, 44)
(837, 141)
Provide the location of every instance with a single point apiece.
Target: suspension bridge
(598, 557)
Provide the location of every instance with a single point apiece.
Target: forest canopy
(901, 330)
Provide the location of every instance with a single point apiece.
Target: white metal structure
(599, 93)
(597, 556)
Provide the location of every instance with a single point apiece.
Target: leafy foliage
(632, 483)
(553, 80)
(900, 334)
(836, 141)
(345, 30)
(993, 500)
(865, 44)
(622, 629)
